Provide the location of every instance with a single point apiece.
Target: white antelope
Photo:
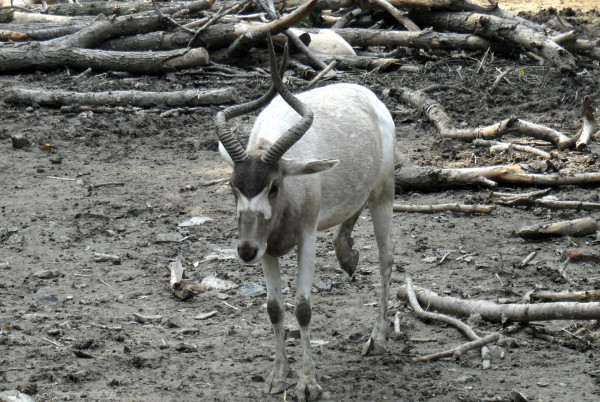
(339, 158)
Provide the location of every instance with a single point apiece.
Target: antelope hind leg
(382, 217)
(343, 242)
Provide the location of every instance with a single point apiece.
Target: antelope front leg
(307, 388)
(279, 379)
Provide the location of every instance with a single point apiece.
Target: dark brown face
(256, 186)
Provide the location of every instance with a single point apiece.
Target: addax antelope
(301, 174)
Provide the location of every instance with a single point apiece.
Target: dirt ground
(121, 183)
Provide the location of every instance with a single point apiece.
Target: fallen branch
(438, 116)
(581, 255)
(397, 14)
(464, 328)
(588, 125)
(314, 60)
(517, 312)
(485, 209)
(423, 39)
(497, 146)
(458, 351)
(58, 98)
(577, 227)
(529, 200)
(527, 259)
(580, 296)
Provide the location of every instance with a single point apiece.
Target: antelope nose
(247, 251)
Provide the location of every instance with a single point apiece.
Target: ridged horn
(232, 145)
(292, 135)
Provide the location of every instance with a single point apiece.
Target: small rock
(19, 141)
(56, 160)
(171, 323)
(322, 284)
(252, 290)
(14, 238)
(186, 347)
(147, 318)
(47, 274)
(212, 282)
(222, 254)
(48, 299)
(4, 265)
(168, 238)
(195, 221)
(205, 316)
(292, 333)
(15, 396)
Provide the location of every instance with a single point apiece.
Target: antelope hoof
(373, 348)
(308, 390)
(278, 381)
(277, 386)
(348, 260)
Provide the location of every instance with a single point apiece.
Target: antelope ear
(225, 155)
(294, 167)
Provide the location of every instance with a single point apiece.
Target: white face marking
(258, 204)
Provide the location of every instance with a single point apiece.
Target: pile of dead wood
(151, 37)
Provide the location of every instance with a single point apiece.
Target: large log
(108, 8)
(431, 178)
(58, 98)
(221, 35)
(34, 55)
(423, 39)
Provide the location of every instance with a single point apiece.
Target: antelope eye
(274, 188)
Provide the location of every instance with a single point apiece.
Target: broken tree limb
(577, 228)
(517, 312)
(494, 27)
(182, 289)
(426, 39)
(464, 328)
(19, 17)
(257, 33)
(485, 209)
(412, 297)
(498, 146)
(34, 56)
(458, 351)
(397, 14)
(555, 179)
(105, 29)
(438, 116)
(588, 125)
(58, 98)
(580, 296)
(292, 37)
(429, 178)
(531, 200)
(581, 254)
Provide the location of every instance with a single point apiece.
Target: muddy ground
(121, 183)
